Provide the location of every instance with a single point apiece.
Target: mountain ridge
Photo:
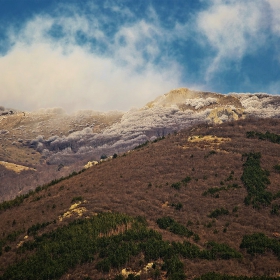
(51, 140)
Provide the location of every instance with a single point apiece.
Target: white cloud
(275, 12)
(43, 71)
(38, 76)
(121, 10)
(135, 43)
(233, 28)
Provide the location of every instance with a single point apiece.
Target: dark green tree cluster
(277, 168)
(213, 251)
(173, 226)
(275, 209)
(174, 268)
(276, 195)
(272, 137)
(11, 237)
(63, 248)
(215, 190)
(255, 180)
(177, 206)
(141, 145)
(14, 202)
(212, 152)
(230, 177)
(114, 239)
(184, 182)
(222, 251)
(35, 228)
(218, 212)
(258, 243)
(116, 252)
(176, 186)
(158, 139)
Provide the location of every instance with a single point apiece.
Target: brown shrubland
(140, 184)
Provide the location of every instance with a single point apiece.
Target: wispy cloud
(274, 12)
(110, 55)
(232, 29)
(49, 66)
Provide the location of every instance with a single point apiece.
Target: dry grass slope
(140, 183)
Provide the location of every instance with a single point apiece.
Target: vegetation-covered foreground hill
(200, 203)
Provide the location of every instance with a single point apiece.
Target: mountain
(200, 202)
(20, 133)
(55, 143)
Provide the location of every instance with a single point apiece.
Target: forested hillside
(203, 202)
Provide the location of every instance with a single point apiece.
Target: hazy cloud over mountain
(105, 55)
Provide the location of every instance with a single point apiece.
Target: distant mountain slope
(171, 112)
(19, 135)
(53, 139)
(191, 187)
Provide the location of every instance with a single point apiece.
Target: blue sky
(107, 55)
